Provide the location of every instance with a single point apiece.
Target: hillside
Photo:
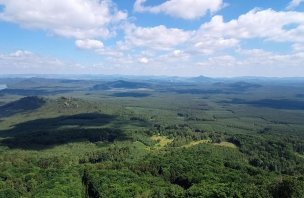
(220, 139)
(22, 105)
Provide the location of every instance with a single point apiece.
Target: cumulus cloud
(89, 44)
(207, 46)
(21, 53)
(293, 4)
(298, 47)
(158, 37)
(219, 61)
(143, 60)
(253, 62)
(211, 44)
(26, 62)
(177, 53)
(199, 51)
(186, 9)
(175, 57)
(80, 19)
(266, 24)
(218, 35)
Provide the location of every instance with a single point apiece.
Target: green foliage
(160, 141)
(124, 183)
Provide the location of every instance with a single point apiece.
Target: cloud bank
(216, 47)
(185, 9)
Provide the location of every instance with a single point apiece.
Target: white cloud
(254, 62)
(143, 60)
(267, 24)
(217, 35)
(206, 47)
(89, 44)
(159, 37)
(80, 19)
(25, 62)
(298, 47)
(176, 57)
(21, 53)
(210, 44)
(293, 4)
(186, 9)
(177, 53)
(170, 50)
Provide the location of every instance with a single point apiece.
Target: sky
(216, 38)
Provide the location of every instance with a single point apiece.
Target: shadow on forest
(197, 91)
(131, 94)
(45, 133)
(300, 95)
(270, 103)
(21, 106)
(32, 92)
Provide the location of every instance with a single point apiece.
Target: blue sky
(160, 37)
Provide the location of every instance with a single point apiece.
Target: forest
(151, 137)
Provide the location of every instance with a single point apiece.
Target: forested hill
(152, 138)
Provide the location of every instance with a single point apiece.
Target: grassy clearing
(196, 143)
(226, 144)
(300, 155)
(162, 141)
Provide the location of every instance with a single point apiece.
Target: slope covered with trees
(161, 143)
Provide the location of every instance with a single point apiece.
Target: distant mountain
(201, 79)
(32, 83)
(3, 86)
(121, 84)
(238, 86)
(242, 86)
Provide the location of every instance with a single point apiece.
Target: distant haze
(2, 86)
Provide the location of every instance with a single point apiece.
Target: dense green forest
(199, 137)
